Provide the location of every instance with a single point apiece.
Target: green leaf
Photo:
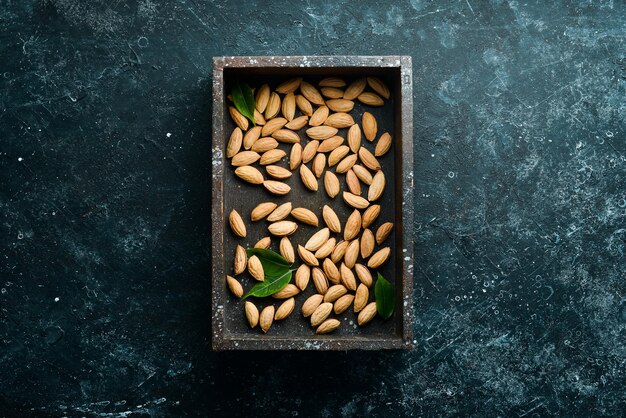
(270, 285)
(385, 297)
(244, 100)
(273, 263)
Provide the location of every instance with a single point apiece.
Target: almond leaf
(385, 297)
(244, 100)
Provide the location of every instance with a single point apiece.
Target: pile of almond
(338, 257)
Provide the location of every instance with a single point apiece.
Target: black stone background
(520, 209)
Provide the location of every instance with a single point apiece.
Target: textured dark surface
(520, 221)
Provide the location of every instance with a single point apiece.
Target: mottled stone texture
(520, 209)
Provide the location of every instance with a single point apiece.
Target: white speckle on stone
(56, 299)
(20, 159)
(407, 258)
(169, 134)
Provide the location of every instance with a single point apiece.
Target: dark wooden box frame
(333, 65)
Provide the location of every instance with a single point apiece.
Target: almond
(337, 154)
(278, 172)
(383, 232)
(330, 144)
(251, 136)
(352, 254)
(326, 249)
(339, 120)
(306, 216)
(352, 226)
(276, 187)
(249, 174)
(304, 105)
(273, 106)
(287, 292)
(331, 219)
(370, 126)
(318, 239)
(383, 145)
(239, 119)
(289, 86)
(234, 286)
(331, 271)
(361, 297)
(371, 99)
(378, 86)
(311, 93)
(297, 123)
(347, 277)
(273, 125)
(321, 132)
(319, 280)
(288, 108)
(321, 313)
(266, 318)
(303, 274)
(340, 105)
(332, 82)
(264, 144)
(378, 258)
(241, 260)
(295, 156)
(353, 182)
(370, 215)
(307, 256)
(262, 97)
(332, 92)
(262, 210)
(331, 184)
(258, 118)
(343, 303)
(335, 292)
(355, 89)
(311, 304)
(367, 243)
(264, 242)
(236, 224)
(328, 326)
(309, 151)
(319, 162)
(340, 251)
(252, 314)
(255, 268)
(272, 156)
(363, 273)
(286, 250)
(319, 116)
(308, 178)
(234, 142)
(368, 159)
(280, 212)
(346, 164)
(286, 136)
(362, 173)
(282, 228)
(285, 309)
(354, 138)
(377, 187)
(355, 201)
(367, 314)
(245, 158)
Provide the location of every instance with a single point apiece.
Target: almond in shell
(286, 250)
(282, 228)
(241, 260)
(321, 132)
(309, 151)
(335, 292)
(353, 226)
(295, 156)
(304, 105)
(368, 159)
(331, 219)
(379, 258)
(383, 232)
(371, 99)
(288, 108)
(276, 187)
(321, 313)
(346, 164)
(264, 242)
(272, 126)
(234, 286)
(258, 118)
(297, 123)
(339, 120)
(272, 156)
(319, 162)
(249, 174)
(367, 314)
(330, 144)
(311, 304)
(236, 224)
(255, 268)
(266, 318)
(340, 251)
(244, 158)
(285, 309)
(262, 97)
(352, 181)
(311, 93)
(340, 105)
(305, 216)
(278, 172)
(286, 136)
(319, 280)
(280, 212)
(234, 142)
(273, 106)
(331, 271)
(239, 119)
(264, 144)
(318, 239)
(370, 126)
(331, 184)
(332, 92)
(326, 249)
(352, 254)
(289, 86)
(343, 303)
(308, 178)
(307, 256)
(354, 138)
(363, 174)
(332, 82)
(364, 274)
(303, 275)
(355, 89)
(347, 277)
(251, 137)
(370, 215)
(367, 243)
(287, 292)
(383, 145)
(252, 314)
(262, 210)
(337, 154)
(377, 187)
(361, 297)
(319, 116)
(355, 201)
(378, 86)
(328, 326)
